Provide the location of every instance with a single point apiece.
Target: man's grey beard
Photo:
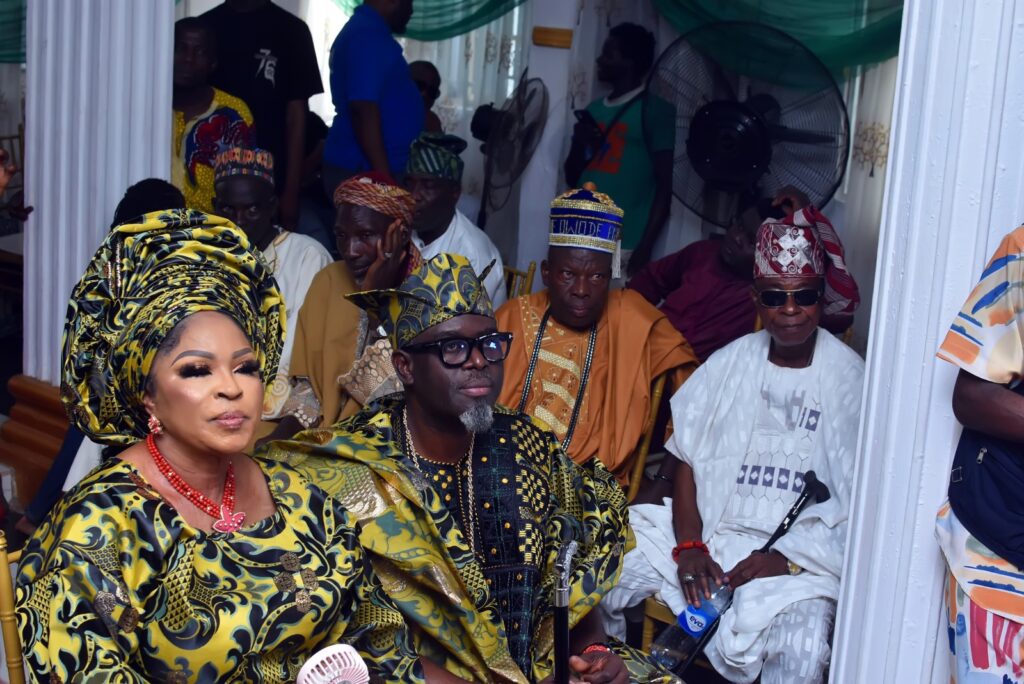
(478, 419)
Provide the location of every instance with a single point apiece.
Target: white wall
(540, 181)
(98, 105)
(956, 167)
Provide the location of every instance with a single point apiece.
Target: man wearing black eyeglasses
(463, 505)
(754, 418)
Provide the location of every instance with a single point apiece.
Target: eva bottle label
(695, 621)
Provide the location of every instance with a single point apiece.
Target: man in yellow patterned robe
(463, 506)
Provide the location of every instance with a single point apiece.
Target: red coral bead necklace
(225, 518)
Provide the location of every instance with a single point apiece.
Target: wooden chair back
(519, 283)
(8, 623)
(636, 475)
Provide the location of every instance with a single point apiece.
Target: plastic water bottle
(677, 642)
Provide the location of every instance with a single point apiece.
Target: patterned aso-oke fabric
(805, 244)
(117, 586)
(787, 251)
(436, 155)
(484, 615)
(441, 288)
(145, 279)
(378, 192)
(242, 161)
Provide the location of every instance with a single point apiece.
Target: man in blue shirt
(378, 108)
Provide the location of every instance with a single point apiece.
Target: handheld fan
(337, 664)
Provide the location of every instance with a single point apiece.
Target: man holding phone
(614, 147)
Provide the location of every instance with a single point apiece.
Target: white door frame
(953, 189)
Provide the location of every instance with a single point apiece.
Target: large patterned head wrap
(805, 244)
(146, 278)
(587, 219)
(440, 289)
(436, 155)
(378, 192)
(242, 161)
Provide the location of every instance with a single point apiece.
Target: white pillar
(98, 118)
(540, 181)
(956, 168)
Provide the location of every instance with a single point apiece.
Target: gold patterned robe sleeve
(76, 624)
(377, 629)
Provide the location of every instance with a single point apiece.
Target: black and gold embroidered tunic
(484, 613)
(510, 499)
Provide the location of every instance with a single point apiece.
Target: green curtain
(441, 19)
(12, 31)
(842, 33)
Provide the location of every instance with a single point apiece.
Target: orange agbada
(635, 344)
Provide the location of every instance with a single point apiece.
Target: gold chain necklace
(471, 522)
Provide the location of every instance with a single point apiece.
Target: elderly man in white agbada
(749, 423)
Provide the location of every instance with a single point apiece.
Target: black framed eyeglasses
(455, 351)
(774, 299)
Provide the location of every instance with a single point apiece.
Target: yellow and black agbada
(485, 614)
(115, 586)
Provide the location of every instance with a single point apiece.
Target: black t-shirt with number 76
(265, 56)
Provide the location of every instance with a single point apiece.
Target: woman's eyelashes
(198, 370)
(194, 370)
(251, 367)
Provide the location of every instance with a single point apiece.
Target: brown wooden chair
(8, 623)
(636, 475)
(654, 612)
(519, 283)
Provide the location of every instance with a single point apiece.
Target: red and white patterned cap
(788, 251)
(804, 244)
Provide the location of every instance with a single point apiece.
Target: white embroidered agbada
(464, 238)
(750, 429)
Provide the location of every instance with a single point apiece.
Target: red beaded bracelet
(686, 546)
(596, 648)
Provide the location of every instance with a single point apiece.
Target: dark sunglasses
(774, 299)
(455, 351)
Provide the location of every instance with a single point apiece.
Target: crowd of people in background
(331, 418)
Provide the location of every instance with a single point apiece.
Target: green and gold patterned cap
(436, 155)
(440, 289)
(146, 278)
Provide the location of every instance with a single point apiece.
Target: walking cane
(813, 489)
(563, 566)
